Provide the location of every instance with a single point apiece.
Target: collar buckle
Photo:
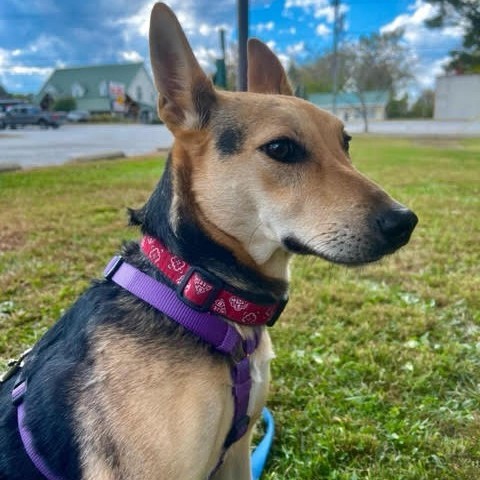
(113, 265)
(279, 310)
(199, 289)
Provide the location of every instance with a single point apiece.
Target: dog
(116, 389)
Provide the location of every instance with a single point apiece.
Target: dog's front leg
(236, 465)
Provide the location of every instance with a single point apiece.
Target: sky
(37, 36)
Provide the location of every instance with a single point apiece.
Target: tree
(317, 76)
(65, 104)
(397, 108)
(465, 14)
(3, 92)
(423, 107)
(295, 76)
(378, 62)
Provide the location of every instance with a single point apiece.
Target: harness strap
(222, 336)
(212, 329)
(18, 394)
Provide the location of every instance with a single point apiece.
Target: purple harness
(222, 336)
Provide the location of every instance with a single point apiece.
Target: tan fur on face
(244, 200)
(323, 201)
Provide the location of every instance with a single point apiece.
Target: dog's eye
(284, 150)
(346, 141)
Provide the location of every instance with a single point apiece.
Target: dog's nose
(397, 224)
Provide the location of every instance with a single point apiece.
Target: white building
(457, 97)
(349, 106)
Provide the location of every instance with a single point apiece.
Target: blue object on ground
(260, 454)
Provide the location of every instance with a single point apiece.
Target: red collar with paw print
(205, 292)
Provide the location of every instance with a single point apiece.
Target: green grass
(377, 374)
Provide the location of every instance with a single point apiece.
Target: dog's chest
(260, 374)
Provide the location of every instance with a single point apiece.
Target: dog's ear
(186, 94)
(265, 72)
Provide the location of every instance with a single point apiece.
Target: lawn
(377, 374)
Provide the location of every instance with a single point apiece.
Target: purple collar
(215, 331)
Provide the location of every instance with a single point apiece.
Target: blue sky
(37, 36)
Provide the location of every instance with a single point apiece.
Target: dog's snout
(397, 224)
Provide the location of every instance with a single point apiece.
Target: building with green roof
(126, 89)
(349, 104)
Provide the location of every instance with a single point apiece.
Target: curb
(9, 167)
(98, 156)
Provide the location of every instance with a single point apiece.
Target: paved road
(33, 147)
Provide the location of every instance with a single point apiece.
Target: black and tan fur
(116, 391)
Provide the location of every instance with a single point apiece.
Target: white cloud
(26, 70)
(317, 8)
(11, 70)
(322, 30)
(184, 10)
(426, 73)
(428, 48)
(139, 22)
(263, 27)
(131, 56)
(10, 67)
(205, 30)
(414, 25)
(307, 4)
(205, 57)
(20, 64)
(285, 60)
(295, 49)
(4, 57)
(271, 44)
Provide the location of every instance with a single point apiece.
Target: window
(103, 88)
(77, 90)
(139, 93)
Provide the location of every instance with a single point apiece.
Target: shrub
(65, 104)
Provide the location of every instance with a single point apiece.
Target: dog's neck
(171, 219)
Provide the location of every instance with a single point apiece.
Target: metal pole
(335, 55)
(222, 42)
(221, 75)
(242, 14)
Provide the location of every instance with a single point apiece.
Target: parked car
(78, 116)
(5, 103)
(21, 115)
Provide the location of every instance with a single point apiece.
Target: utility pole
(220, 76)
(222, 42)
(242, 16)
(336, 32)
